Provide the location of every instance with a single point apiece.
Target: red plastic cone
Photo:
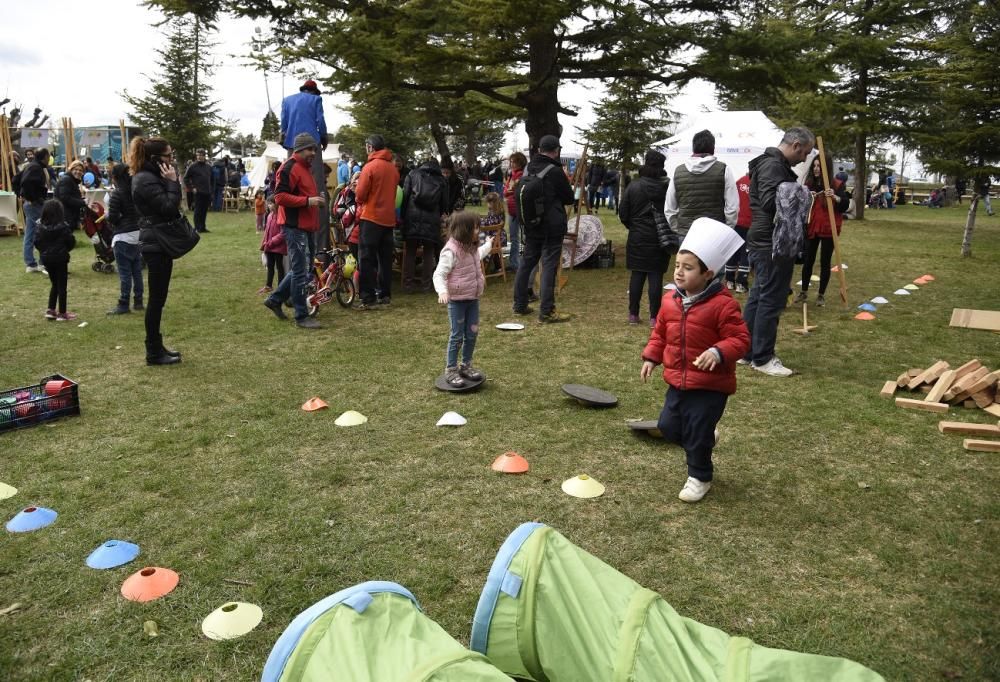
(510, 463)
(314, 404)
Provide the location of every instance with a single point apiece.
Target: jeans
(464, 318)
(514, 239)
(160, 267)
(825, 257)
(201, 201)
(58, 275)
(635, 284)
(129, 262)
(293, 284)
(32, 212)
(546, 248)
(689, 418)
(377, 246)
(765, 302)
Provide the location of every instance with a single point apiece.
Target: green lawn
(838, 523)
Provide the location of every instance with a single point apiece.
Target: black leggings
(635, 284)
(825, 256)
(58, 274)
(159, 266)
(275, 260)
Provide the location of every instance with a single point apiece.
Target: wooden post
(121, 127)
(580, 181)
(5, 157)
(833, 223)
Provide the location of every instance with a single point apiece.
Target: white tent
(739, 137)
(275, 152)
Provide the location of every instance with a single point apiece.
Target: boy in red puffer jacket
(698, 337)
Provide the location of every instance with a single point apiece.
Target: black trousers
(377, 246)
(201, 202)
(159, 267)
(635, 284)
(689, 419)
(825, 256)
(275, 261)
(58, 276)
(544, 250)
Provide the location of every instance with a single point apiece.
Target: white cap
(713, 242)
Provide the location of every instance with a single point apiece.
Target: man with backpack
(33, 188)
(425, 199)
(542, 195)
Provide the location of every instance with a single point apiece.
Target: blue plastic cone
(112, 554)
(31, 518)
(867, 307)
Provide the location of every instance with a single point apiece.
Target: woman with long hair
(819, 236)
(157, 197)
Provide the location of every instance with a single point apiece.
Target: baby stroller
(473, 193)
(100, 234)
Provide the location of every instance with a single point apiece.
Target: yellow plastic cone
(7, 491)
(583, 486)
(911, 287)
(231, 620)
(351, 418)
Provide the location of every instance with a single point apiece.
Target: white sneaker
(773, 368)
(694, 490)
(742, 361)
(34, 268)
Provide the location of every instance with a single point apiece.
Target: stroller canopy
(372, 632)
(552, 612)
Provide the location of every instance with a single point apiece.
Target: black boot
(157, 355)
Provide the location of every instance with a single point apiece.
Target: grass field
(838, 523)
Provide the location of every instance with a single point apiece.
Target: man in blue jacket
(303, 113)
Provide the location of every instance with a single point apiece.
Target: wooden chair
(231, 200)
(495, 231)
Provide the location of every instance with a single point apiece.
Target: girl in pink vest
(459, 282)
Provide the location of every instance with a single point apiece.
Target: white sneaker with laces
(773, 368)
(742, 361)
(694, 490)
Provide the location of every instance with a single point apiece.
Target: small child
(459, 282)
(260, 209)
(494, 221)
(54, 241)
(700, 321)
(124, 220)
(274, 247)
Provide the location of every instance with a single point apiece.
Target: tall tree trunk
(469, 132)
(970, 225)
(441, 140)
(861, 147)
(542, 100)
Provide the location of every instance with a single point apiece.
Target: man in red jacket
(298, 203)
(376, 197)
(698, 337)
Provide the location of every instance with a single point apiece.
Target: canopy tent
(739, 137)
(551, 612)
(273, 151)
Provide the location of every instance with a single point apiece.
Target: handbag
(175, 237)
(663, 229)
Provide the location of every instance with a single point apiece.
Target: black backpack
(426, 194)
(530, 194)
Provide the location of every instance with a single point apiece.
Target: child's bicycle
(335, 280)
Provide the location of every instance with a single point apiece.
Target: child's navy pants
(688, 419)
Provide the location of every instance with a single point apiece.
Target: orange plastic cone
(314, 404)
(150, 583)
(864, 316)
(921, 281)
(929, 278)
(510, 463)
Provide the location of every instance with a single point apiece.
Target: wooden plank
(915, 371)
(903, 380)
(975, 319)
(980, 385)
(993, 409)
(925, 389)
(929, 374)
(969, 428)
(941, 386)
(985, 398)
(911, 404)
(968, 368)
(888, 389)
(966, 381)
(969, 404)
(981, 445)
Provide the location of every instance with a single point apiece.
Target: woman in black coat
(650, 239)
(67, 191)
(156, 194)
(425, 200)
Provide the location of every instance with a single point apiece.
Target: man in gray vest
(702, 187)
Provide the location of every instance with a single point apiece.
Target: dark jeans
(766, 300)
(32, 212)
(825, 256)
(514, 239)
(738, 266)
(635, 284)
(159, 266)
(689, 418)
(546, 248)
(58, 275)
(428, 261)
(201, 202)
(377, 245)
(293, 284)
(275, 261)
(129, 262)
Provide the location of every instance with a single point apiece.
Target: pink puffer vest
(465, 281)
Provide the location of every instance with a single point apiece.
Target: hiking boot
(308, 323)
(820, 301)
(633, 319)
(384, 301)
(554, 317)
(65, 317)
(453, 377)
(532, 298)
(694, 490)
(275, 308)
(120, 309)
(802, 297)
(526, 310)
(50, 314)
(773, 368)
(470, 373)
(137, 305)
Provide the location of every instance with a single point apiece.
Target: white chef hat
(713, 242)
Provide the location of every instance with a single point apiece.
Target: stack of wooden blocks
(971, 385)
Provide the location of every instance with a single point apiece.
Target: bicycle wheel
(345, 292)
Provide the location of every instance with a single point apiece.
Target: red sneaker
(65, 317)
(50, 314)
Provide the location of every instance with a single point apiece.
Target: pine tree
(176, 105)
(271, 129)
(630, 119)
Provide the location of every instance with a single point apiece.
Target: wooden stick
(579, 178)
(966, 381)
(941, 386)
(981, 445)
(833, 222)
(912, 404)
(888, 389)
(969, 428)
(967, 368)
(993, 409)
(929, 374)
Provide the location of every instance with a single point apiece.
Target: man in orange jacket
(376, 197)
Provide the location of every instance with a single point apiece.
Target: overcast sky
(93, 52)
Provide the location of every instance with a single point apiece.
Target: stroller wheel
(109, 268)
(97, 266)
